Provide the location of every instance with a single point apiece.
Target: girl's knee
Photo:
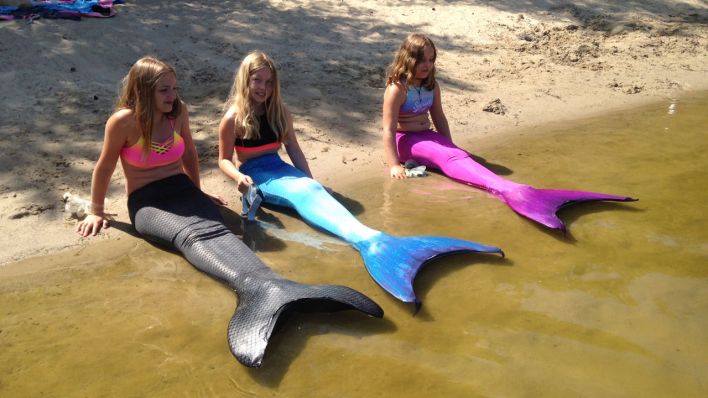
(312, 186)
(457, 154)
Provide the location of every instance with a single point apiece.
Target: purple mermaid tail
(541, 205)
(436, 151)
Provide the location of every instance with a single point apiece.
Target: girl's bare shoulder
(396, 91)
(122, 119)
(231, 112)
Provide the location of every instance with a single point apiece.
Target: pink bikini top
(161, 153)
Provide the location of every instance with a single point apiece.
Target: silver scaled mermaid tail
(174, 213)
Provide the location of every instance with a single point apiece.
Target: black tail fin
(258, 310)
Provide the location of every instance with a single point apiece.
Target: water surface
(619, 307)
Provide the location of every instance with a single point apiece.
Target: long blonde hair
(411, 52)
(138, 94)
(240, 98)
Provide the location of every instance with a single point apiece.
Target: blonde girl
(253, 129)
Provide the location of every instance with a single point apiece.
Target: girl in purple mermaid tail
(412, 99)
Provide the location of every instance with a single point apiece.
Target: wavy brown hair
(402, 69)
(240, 98)
(138, 94)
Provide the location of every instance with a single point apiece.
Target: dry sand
(544, 60)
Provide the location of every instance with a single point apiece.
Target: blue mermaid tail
(392, 262)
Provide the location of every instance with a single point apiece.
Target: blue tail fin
(394, 262)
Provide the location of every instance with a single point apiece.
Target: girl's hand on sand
(243, 183)
(218, 200)
(91, 225)
(398, 172)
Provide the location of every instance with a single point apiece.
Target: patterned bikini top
(161, 153)
(418, 101)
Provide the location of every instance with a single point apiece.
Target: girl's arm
(393, 100)
(190, 159)
(293, 148)
(438, 115)
(115, 136)
(227, 138)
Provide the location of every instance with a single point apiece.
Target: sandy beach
(543, 61)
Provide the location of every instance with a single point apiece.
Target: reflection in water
(618, 309)
(317, 241)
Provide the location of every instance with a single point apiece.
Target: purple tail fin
(541, 205)
(437, 151)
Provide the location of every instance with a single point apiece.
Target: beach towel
(66, 9)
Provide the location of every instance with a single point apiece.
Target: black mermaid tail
(172, 212)
(262, 302)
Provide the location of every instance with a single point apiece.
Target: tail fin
(394, 262)
(541, 205)
(260, 307)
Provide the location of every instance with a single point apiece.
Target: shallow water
(619, 307)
